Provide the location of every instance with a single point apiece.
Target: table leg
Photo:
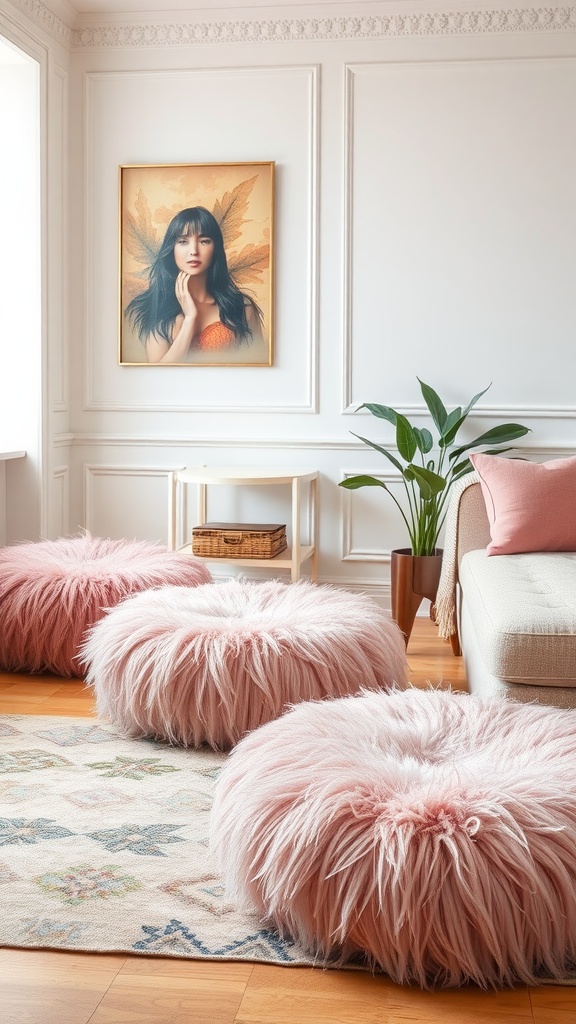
(172, 485)
(314, 528)
(295, 568)
(202, 504)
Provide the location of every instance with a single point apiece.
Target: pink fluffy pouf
(432, 834)
(52, 591)
(207, 665)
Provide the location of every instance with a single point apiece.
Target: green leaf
(450, 432)
(498, 451)
(467, 465)
(405, 438)
(435, 405)
(461, 470)
(424, 439)
(352, 483)
(453, 417)
(504, 432)
(430, 484)
(383, 412)
(456, 470)
(378, 448)
(476, 398)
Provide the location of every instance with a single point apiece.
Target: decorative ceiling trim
(544, 19)
(39, 12)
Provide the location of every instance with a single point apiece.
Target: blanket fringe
(445, 604)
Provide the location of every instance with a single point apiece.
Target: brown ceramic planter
(413, 577)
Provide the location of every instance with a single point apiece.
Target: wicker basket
(238, 540)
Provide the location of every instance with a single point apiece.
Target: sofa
(512, 616)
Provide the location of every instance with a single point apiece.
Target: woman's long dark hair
(154, 311)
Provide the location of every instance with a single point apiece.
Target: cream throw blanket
(445, 605)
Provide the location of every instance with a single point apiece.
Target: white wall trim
(41, 14)
(349, 406)
(170, 31)
(61, 477)
(91, 471)
(63, 440)
(348, 552)
(61, 385)
(542, 412)
(310, 405)
(81, 440)
(347, 261)
(173, 29)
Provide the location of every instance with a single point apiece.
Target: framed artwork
(196, 261)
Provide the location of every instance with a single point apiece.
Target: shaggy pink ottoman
(207, 665)
(431, 833)
(52, 591)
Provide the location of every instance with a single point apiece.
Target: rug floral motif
(104, 847)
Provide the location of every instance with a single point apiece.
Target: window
(20, 250)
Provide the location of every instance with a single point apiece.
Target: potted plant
(428, 469)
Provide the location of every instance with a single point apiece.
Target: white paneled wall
(215, 115)
(463, 228)
(425, 224)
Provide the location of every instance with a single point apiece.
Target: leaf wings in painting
(142, 241)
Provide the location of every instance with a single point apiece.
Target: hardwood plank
(59, 959)
(287, 994)
(50, 995)
(33, 690)
(73, 688)
(177, 967)
(70, 709)
(25, 678)
(554, 1003)
(157, 1000)
(430, 659)
(346, 997)
(547, 1016)
(81, 700)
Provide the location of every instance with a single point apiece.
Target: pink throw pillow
(531, 506)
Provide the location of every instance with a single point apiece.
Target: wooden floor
(38, 987)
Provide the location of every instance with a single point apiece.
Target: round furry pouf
(52, 591)
(207, 665)
(432, 834)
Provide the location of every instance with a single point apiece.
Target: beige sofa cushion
(523, 608)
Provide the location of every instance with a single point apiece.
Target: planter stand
(413, 578)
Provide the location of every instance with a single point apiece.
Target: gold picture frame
(196, 264)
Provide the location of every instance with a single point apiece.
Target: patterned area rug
(104, 847)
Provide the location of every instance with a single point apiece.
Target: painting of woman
(196, 283)
(191, 303)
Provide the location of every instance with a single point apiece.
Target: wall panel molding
(60, 381)
(349, 406)
(61, 499)
(541, 412)
(171, 32)
(93, 403)
(80, 440)
(349, 553)
(92, 472)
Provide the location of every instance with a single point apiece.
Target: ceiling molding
(431, 23)
(42, 15)
(154, 29)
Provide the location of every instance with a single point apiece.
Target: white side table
(202, 476)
